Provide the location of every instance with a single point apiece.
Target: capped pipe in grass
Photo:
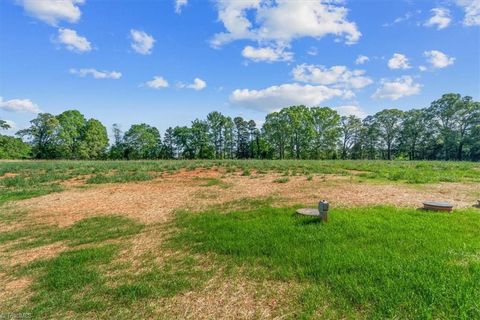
(437, 206)
(323, 207)
(321, 211)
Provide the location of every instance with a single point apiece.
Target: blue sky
(168, 62)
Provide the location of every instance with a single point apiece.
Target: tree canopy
(449, 129)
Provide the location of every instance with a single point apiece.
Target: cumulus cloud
(53, 11)
(283, 21)
(266, 54)
(96, 74)
(472, 12)
(141, 41)
(19, 105)
(158, 82)
(398, 61)
(337, 76)
(438, 59)
(73, 41)
(398, 88)
(440, 18)
(277, 97)
(351, 110)
(179, 4)
(198, 84)
(361, 59)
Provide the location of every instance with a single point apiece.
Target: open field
(219, 239)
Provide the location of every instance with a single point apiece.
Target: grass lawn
(377, 262)
(256, 256)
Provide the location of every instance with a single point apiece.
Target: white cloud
(179, 4)
(277, 97)
(141, 41)
(398, 88)
(312, 51)
(472, 11)
(73, 41)
(438, 59)
(282, 21)
(361, 59)
(267, 54)
(422, 68)
(398, 61)
(158, 82)
(337, 76)
(408, 16)
(198, 84)
(440, 18)
(351, 110)
(53, 11)
(19, 105)
(96, 74)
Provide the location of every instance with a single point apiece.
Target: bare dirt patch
(75, 181)
(154, 201)
(8, 175)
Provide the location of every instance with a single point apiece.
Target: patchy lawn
(216, 240)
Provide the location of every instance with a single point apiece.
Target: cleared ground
(114, 240)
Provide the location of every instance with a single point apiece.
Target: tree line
(449, 129)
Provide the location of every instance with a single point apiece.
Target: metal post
(323, 210)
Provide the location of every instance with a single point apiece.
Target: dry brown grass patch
(154, 201)
(23, 257)
(232, 298)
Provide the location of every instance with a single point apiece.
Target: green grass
(377, 262)
(281, 180)
(369, 263)
(71, 281)
(87, 281)
(89, 230)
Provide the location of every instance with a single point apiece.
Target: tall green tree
(182, 137)
(389, 123)
(351, 126)
(168, 144)
(241, 137)
(443, 112)
(43, 135)
(200, 140)
(327, 132)
(142, 141)
(229, 139)
(216, 123)
(413, 132)
(467, 117)
(71, 125)
(369, 138)
(93, 141)
(254, 139)
(276, 132)
(300, 129)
